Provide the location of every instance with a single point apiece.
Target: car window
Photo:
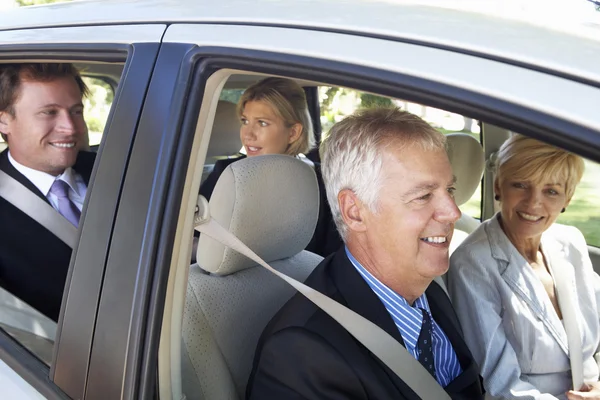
(336, 103)
(583, 211)
(97, 106)
(32, 282)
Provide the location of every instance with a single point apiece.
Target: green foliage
(231, 95)
(23, 3)
(368, 100)
(94, 124)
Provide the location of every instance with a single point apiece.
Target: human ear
(352, 210)
(5, 119)
(295, 132)
(497, 190)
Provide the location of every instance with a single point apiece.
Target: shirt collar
(42, 180)
(380, 288)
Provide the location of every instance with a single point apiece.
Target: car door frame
(151, 205)
(137, 46)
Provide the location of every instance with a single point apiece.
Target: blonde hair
(524, 158)
(288, 101)
(351, 153)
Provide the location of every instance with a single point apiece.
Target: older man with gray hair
(390, 187)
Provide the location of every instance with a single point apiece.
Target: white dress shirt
(43, 181)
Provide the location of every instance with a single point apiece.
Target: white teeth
(435, 239)
(529, 217)
(252, 148)
(63, 145)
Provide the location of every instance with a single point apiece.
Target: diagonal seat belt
(375, 339)
(25, 200)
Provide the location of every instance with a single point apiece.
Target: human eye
(423, 198)
(553, 192)
(518, 185)
(77, 111)
(244, 121)
(263, 123)
(49, 112)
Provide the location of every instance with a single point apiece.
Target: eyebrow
(425, 187)
(59, 106)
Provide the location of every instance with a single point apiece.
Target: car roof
(549, 35)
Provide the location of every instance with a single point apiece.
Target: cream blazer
(508, 320)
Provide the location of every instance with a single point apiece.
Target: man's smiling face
(46, 129)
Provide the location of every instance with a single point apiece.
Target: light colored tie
(66, 207)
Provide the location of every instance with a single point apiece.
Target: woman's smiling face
(529, 208)
(264, 132)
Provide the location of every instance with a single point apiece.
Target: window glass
(336, 103)
(97, 106)
(231, 95)
(32, 282)
(583, 210)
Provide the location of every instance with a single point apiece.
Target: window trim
(67, 373)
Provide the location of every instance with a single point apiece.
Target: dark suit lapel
(444, 315)
(360, 298)
(359, 295)
(7, 167)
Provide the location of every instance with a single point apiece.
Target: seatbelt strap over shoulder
(375, 339)
(565, 295)
(25, 200)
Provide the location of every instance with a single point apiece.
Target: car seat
(271, 204)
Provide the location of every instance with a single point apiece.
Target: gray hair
(351, 153)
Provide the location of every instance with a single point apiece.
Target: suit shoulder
(299, 311)
(567, 234)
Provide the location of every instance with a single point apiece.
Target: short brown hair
(288, 100)
(521, 157)
(11, 76)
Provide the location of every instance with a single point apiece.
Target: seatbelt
(375, 339)
(564, 293)
(25, 200)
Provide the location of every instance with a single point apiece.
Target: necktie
(424, 344)
(66, 207)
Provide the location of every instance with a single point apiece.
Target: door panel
(104, 44)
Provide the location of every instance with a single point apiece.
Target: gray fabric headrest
(225, 137)
(468, 161)
(271, 203)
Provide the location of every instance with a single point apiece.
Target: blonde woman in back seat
(503, 280)
(275, 120)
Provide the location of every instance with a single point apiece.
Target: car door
(149, 254)
(132, 49)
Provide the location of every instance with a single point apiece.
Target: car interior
(218, 306)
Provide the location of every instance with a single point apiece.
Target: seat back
(468, 162)
(225, 136)
(270, 203)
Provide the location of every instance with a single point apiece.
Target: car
(129, 323)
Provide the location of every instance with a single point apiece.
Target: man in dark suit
(41, 119)
(389, 184)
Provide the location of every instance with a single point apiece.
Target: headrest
(225, 137)
(468, 161)
(270, 203)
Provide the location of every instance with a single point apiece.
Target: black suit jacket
(34, 262)
(304, 354)
(325, 240)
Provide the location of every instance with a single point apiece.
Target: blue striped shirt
(409, 320)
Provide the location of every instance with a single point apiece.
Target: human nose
(66, 123)
(534, 197)
(247, 132)
(448, 211)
